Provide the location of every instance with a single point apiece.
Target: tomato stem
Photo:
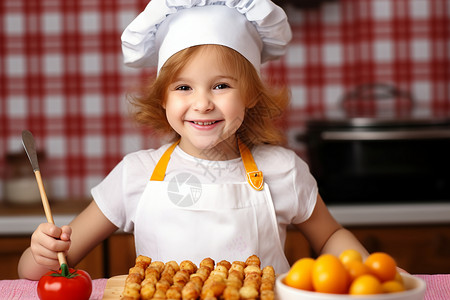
(64, 270)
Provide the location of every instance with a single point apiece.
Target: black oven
(368, 160)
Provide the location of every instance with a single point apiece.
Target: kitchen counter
(391, 228)
(23, 220)
(391, 214)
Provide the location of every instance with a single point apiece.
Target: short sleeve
(305, 187)
(119, 193)
(108, 197)
(293, 188)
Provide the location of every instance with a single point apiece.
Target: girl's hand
(47, 240)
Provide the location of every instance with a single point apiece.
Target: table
(22, 289)
(438, 288)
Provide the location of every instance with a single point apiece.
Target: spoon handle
(30, 149)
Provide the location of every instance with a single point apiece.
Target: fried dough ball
(130, 293)
(197, 281)
(237, 268)
(133, 278)
(206, 293)
(190, 291)
(234, 282)
(137, 270)
(213, 289)
(147, 291)
(267, 295)
(267, 279)
(253, 260)
(181, 278)
(207, 262)
(193, 288)
(158, 265)
(252, 269)
(173, 264)
(167, 274)
(266, 285)
(133, 286)
(253, 280)
(144, 258)
(213, 278)
(213, 286)
(174, 292)
(231, 293)
(224, 263)
(201, 278)
(239, 263)
(235, 278)
(248, 292)
(143, 261)
(148, 281)
(151, 275)
(163, 285)
(236, 274)
(203, 272)
(159, 294)
(268, 271)
(188, 266)
(221, 273)
(221, 268)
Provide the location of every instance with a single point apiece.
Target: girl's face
(204, 106)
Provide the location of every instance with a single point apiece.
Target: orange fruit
(382, 265)
(365, 285)
(329, 275)
(392, 286)
(350, 255)
(398, 277)
(300, 274)
(356, 268)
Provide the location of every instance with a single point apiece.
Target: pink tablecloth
(26, 289)
(438, 288)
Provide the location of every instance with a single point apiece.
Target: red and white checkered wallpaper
(61, 73)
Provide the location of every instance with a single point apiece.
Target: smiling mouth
(204, 123)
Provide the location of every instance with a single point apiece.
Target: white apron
(182, 219)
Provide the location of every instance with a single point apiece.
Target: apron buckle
(256, 180)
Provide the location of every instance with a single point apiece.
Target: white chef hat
(257, 29)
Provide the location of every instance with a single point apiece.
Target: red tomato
(65, 284)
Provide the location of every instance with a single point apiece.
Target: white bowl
(415, 290)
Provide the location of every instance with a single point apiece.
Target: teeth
(204, 123)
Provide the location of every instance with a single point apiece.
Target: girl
(224, 188)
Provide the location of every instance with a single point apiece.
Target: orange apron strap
(254, 177)
(160, 169)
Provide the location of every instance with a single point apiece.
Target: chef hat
(257, 29)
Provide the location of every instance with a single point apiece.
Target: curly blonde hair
(264, 104)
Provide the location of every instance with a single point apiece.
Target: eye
(183, 88)
(221, 86)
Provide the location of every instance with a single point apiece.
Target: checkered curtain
(61, 74)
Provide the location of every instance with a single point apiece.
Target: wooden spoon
(30, 149)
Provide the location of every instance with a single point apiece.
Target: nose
(202, 102)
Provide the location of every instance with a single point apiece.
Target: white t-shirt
(293, 188)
